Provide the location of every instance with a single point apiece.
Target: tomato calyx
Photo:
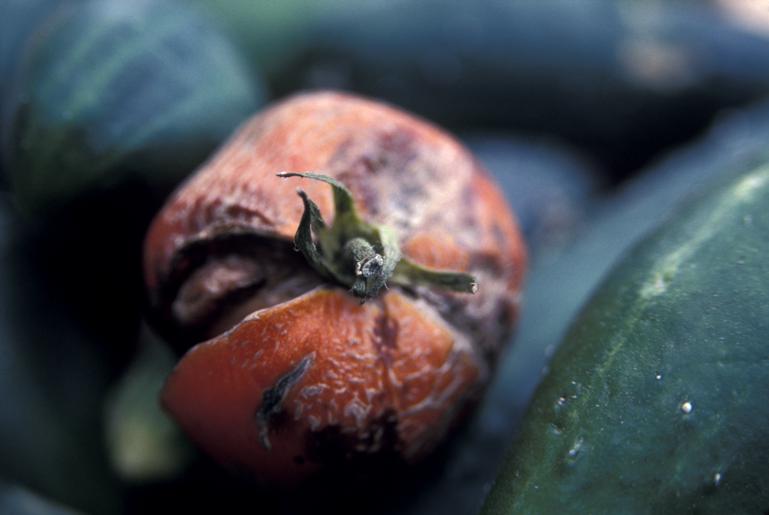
(360, 255)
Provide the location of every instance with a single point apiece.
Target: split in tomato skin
(297, 374)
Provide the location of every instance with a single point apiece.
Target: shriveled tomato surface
(296, 372)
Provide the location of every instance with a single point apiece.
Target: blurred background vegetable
(112, 92)
(20, 501)
(52, 379)
(621, 80)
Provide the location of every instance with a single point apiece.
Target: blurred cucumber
(550, 188)
(15, 500)
(20, 19)
(623, 80)
(270, 33)
(53, 377)
(112, 92)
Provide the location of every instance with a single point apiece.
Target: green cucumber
(621, 80)
(270, 33)
(656, 402)
(112, 91)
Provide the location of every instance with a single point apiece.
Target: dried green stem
(359, 255)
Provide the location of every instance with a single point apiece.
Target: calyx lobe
(358, 254)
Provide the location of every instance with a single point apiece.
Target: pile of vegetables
(366, 257)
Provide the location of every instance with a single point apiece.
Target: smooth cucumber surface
(656, 401)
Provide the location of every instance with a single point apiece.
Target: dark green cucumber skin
(112, 90)
(684, 318)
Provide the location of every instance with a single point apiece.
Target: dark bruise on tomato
(295, 372)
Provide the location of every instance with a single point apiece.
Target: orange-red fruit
(295, 372)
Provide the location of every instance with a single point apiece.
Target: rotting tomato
(297, 372)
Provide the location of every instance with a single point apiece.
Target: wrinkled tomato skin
(320, 377)
(361, 370)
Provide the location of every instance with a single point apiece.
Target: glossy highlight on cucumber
(655, 402)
